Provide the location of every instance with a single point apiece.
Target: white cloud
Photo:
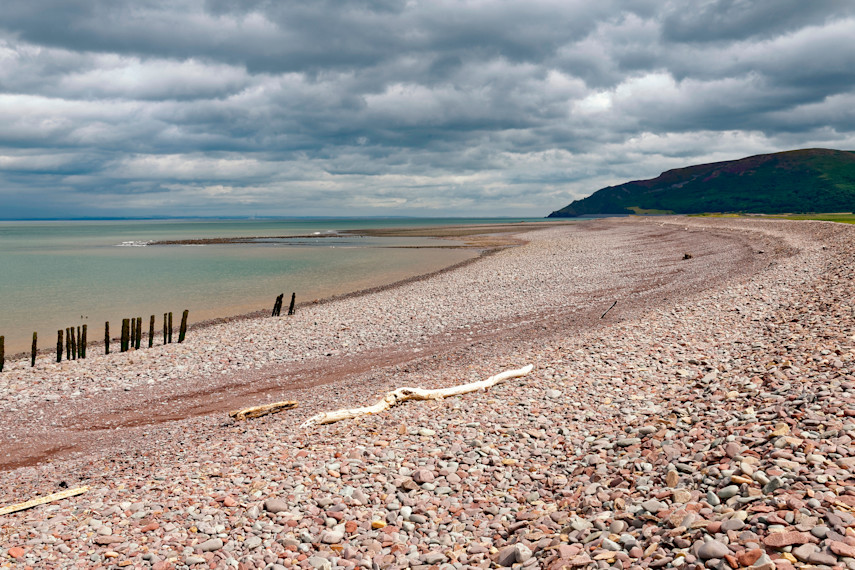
(474, 108)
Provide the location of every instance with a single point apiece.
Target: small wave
(134, 243)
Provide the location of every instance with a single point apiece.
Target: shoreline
(706, 416)
(479, 238)
(313, 343)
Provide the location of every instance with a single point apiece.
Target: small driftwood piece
(607, 310)
(258, 411)
(406, 393)
(42, 500)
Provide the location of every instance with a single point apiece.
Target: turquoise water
(67, 273)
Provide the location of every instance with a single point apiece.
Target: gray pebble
(319, 563)
(713, 549)
(210, 545)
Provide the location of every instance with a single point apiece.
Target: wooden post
(609, 309)
(59, 345)
(126, 334)
(291, 307)
(138, 323)
(277, 306)
(79, 343)
(35, 349)
(73, 344)
(133, 334)
(107, 337)
(182, 332)
(170, 327)
(83, 343)
(151, 332)
(2, 352)
(68, 343)
(164, 328)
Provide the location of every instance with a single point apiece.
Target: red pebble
(781, 539)
(749, 557)
(842, 549)
(17, 552)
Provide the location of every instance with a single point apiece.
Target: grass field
(842, 217)
(642, 212)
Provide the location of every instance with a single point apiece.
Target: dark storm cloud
(480, 107)
(736, 20)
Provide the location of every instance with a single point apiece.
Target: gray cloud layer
(237, 107)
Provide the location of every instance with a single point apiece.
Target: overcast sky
(387, 107)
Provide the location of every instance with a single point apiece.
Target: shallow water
(59, 274)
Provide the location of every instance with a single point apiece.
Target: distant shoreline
(445, 231)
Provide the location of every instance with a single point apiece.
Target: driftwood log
(42, 500)
(258, 411)
(406, 393)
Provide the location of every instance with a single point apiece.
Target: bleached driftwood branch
(258, 411)
(406, 393)
(43, 500)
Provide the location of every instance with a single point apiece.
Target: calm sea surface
(59, 274)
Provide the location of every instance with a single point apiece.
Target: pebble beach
(692, 405)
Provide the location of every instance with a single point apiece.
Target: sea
(59, 274)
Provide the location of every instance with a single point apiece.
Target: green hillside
(809, 180)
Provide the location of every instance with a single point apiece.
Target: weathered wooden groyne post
(151, 332)
(59, 345)
(138, 333)
(2, 352)
(170, 327)
(107, 337)
(73, 342)
(126, 334)
(35, 349)
(68, 343)
(277, 305)
(182, 332)
(82, 344)
(291, 307)
(164, 328)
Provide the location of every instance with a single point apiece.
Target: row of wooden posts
(73, 342)
(277, 306)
